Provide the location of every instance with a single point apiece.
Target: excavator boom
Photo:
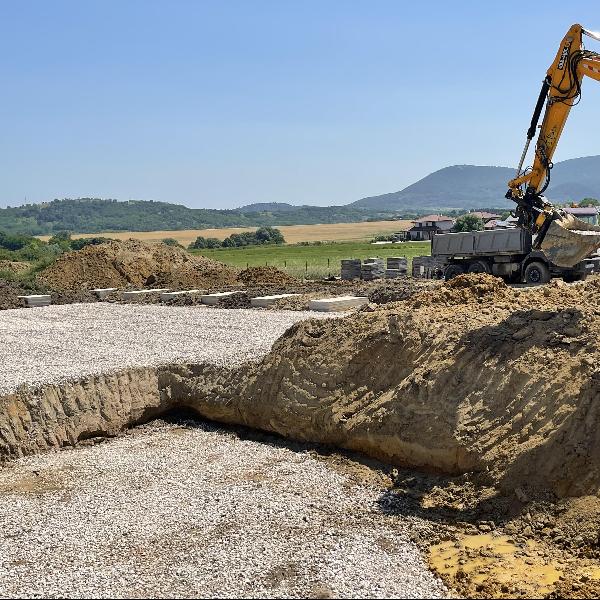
(563, 238)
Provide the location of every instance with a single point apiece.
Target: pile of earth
(471, 376)
(14, 266)
(10, 292)
(134, 263)
(396, 290)
(259, 276)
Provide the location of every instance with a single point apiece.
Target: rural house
(485, 216)
(426, 227)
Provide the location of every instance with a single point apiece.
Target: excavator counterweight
(563, 238)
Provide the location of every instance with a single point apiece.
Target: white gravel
(168, 511)
(56, 343)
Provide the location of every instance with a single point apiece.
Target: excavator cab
(564, 239)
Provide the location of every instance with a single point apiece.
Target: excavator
(564, 239)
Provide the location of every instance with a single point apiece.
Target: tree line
(260, 237)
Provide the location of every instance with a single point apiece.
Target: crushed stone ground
(56, 343)
(171, 511)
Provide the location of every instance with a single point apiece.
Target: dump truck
(506, 253)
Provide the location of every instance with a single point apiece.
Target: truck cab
(506, 253)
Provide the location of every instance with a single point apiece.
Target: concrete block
(102, 293)
(137, 293)
(170, 295)
(262, 301)
(36, 300)
(213, 299)
(339, 303)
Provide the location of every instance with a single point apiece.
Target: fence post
(306, 268)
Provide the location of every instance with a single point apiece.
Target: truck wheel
(453, 271)
(536, 273)
(479, 266)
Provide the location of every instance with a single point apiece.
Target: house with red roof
(426, 227)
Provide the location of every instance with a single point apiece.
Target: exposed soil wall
(473, 376)
(33, 420)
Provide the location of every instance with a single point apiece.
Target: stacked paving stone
(427, 267)
(372, 268)
(397, 266)
(351, 268)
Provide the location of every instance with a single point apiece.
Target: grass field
(292, 234)
(312, 261)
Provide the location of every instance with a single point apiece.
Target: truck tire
(536, 273)
(479, 266)
(452, 271)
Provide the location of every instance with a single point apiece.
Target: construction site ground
(193, 510)
(446, 433)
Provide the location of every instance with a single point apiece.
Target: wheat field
(293, 234)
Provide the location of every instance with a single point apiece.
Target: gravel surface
(195, 511)
(56, 343)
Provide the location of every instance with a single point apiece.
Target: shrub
(468, 222)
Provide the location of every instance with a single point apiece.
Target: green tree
(269, 235)
(200, 243)
(171, 242)
(589, 202)
(79, 243)
(468, 222)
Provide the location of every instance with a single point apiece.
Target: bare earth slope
(471, 376)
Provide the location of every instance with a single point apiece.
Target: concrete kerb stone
(336, 304)
(264, 301)
(36, 300)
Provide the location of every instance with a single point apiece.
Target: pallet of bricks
(427, 267)
(351, 268)
(372, 268)
(397, 266)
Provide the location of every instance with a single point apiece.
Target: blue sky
(223, 103)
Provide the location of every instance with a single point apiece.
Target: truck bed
(481, 243)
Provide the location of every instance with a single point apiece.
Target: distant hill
(469, 186)
(574, 179)
(94, 215)
(267, 207)
(460, 186)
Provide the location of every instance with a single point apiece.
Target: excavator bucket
(569, 240)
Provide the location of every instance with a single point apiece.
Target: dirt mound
(481, 288)
(135, 263)
(399, 289)
(471, 377)
(14, 266)
(9, 294)
(265, 276)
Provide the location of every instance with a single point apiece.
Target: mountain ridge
(473, 186)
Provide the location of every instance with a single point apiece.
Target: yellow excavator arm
(563, 238)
